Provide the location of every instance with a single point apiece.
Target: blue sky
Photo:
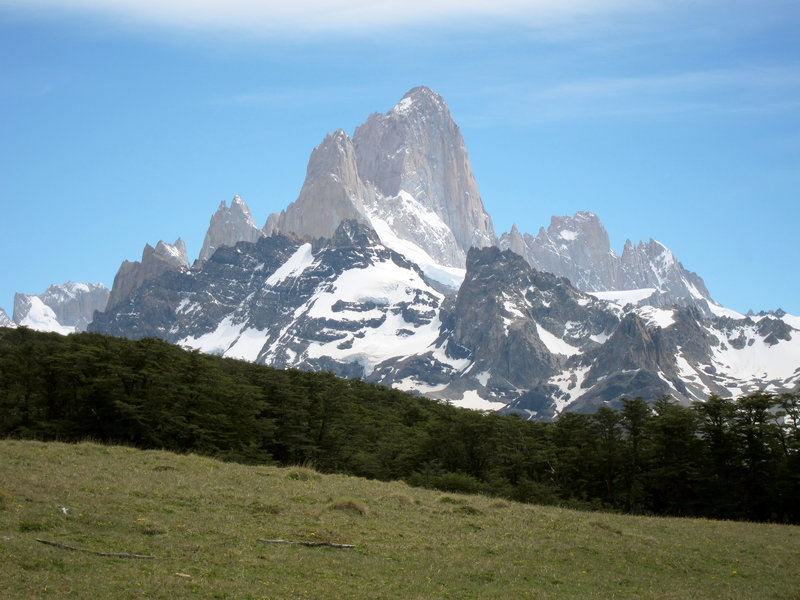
(125, 122)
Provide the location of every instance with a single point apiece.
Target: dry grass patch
(402, 499)
(350, 505)
(6, 500)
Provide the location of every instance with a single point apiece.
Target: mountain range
(387, 267)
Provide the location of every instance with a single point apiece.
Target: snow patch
(555, 344)
(472, 399)
(404, 106)
(757, 361)
(214, 342)
(41, 317)
(460, 365)
(720, 311)
(389, 287)
(412, 384)
(430, 225)
(570, 384)
(483, 377)
(792, 321)
(294, 266)
(657, 317)
(623, 297)
(248, 345)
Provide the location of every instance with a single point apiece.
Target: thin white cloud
(747, 90)
(287, 18)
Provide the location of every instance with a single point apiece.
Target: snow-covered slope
(512, 338)
(61, 308)
(347, 305)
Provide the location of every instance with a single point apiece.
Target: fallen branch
(302, 543)
(113, 554)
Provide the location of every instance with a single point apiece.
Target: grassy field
(202, 521)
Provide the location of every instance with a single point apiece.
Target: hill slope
(201, 519)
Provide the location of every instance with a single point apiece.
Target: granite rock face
(64, 308)
(406, 173)
(155, 261)
(578, 248)
(416, 147)
(228, 226)
(5, 321)
(332, 192)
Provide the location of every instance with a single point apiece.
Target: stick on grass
(302, 543)
(112, 554)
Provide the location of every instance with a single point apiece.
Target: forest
(722, 458)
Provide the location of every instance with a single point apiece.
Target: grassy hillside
(202, 520)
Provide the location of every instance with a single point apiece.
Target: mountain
(228, 226)
(63, 308)
(387, 268)
(5, 321)
(155, 261)
(345, 304)
(407, 174)
(578, 248)
(512, 338)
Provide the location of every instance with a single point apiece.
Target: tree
(674, 458)
(635, 415)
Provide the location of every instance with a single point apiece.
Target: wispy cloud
(753, 90)
(294, 96)
(282, 18)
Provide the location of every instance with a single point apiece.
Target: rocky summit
(578, 248)
(407, 174)
(228, 226)
(63, 308)
(387, 267)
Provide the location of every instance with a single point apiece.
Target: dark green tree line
(719, 459)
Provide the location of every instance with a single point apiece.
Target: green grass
(202, 520)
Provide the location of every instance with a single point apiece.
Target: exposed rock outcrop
(406, 173)
(63, 308)
(578, 248)
(228, 226)
(155, 261)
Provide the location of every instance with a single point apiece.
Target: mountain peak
(417, 149)
(420, 99)
(61, 308)
(228, 226)
(405, 172)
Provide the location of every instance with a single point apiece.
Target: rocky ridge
(512, 338)
(64, 308)
(132, 274)
(578, 248)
